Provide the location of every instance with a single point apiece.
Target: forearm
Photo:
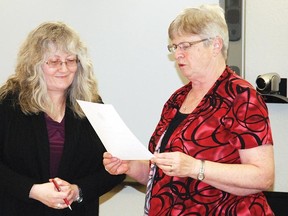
(238, 179)
(139, 170)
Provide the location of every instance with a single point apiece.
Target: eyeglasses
(70, 63)
(184, 45)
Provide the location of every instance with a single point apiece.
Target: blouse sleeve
(248, 120)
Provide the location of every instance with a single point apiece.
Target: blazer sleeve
(11, 182)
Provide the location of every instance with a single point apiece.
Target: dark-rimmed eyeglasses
(184, 45)
(56, 64)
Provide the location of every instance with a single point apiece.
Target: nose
(63, 66)
(178, 54)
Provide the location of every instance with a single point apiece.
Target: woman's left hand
(175, 163)
(70, 189)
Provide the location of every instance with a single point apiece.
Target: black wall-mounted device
(234, 15)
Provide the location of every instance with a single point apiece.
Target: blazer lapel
(71, 128)
(38, 122)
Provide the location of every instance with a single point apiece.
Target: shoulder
(9, 109)
(10, 100)
(231, 77)
(238, 91)
(235, 86)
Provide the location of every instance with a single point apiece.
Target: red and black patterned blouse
(231, 116)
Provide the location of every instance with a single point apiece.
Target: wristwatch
(79, 199)
(201, 174)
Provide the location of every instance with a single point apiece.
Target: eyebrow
(59, 57)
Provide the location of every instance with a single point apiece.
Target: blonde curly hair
(28, 80)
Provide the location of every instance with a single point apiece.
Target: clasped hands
(48, 194)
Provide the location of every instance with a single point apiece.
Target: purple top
(56, 135)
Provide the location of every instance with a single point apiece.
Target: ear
(217, 45)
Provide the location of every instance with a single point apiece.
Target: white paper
(113, 132)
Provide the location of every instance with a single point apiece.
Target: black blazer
(24, 161)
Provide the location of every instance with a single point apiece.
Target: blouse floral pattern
(230, 117)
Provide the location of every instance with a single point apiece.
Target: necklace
(184, 107)
(191, 104)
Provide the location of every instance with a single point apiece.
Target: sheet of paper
(113, 132)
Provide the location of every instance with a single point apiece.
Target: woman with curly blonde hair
(44, 134)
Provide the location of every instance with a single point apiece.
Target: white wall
(266, 52)
(127, 41)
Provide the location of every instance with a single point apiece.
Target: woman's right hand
(49, 196)
(114, 165)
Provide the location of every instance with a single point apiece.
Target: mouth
(62, 76)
